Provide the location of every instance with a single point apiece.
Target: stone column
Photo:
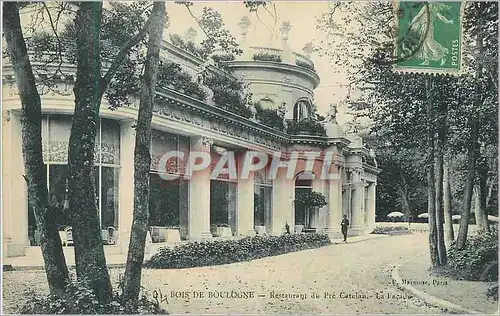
(15, 194)
(244, 201)
(370, 225)
(358, 204)
(282, 210)
(126, 184)
(334, 207)
(199, 195)
(318, 215)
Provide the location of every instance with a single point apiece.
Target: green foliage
(493, 292)
(391, 230)
(171, 75)
(254, 5)
(207, 253)
(478, 260)
(190, 47)
(301, 63)
(310, 199)
(267, 57)
(269, 117)
(219, 59)
(80, 299)
(229, 93)
(218, 38)
(306, 126)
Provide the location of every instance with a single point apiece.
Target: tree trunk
(471, 150)
(89, 251)
(431, 191)
(31, 114)
(482, 192)
(142, 160)
(475, 208)
(441, 131)
(489, 195)
(469, 185)
(403, 193)
(448, 222)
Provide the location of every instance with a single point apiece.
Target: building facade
(198, 205)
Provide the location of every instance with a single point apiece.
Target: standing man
(344, 224)
(287, 228)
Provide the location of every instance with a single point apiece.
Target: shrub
(229, 93)
(220, 59)
(391, 230)
(171, 74)
(301, 63)
(492, 292)
(306, 126)
(190, 47)
(478, 260)
(267, 57)
(207, 253)
(269, 118)
(80, 299)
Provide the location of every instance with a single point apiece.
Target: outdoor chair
(69, 236)
(213, 230)
(111, 235)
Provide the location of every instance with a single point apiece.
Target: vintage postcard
(250, 157)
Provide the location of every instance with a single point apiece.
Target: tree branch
(59, 45)
(196, 19)
(122, 54)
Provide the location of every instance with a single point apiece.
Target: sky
(303, 19)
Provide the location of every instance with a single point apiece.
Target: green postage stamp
(429, 36)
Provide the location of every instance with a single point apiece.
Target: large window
(301, 110)
(168, 202)
(263, 190)
(55, 135)
(223, 203)
(223, 194)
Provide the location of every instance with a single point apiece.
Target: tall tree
(142, 159)
(35, 171)
(89, 251)
(431, 191)
(439, 180)
(448, 222)
(88, 90)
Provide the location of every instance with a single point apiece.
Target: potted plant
(310, 200)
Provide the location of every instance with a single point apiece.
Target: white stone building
(198, 206)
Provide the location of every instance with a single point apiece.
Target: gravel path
(468, 294)
(355, 278)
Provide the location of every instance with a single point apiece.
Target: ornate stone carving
(332, 114)
(288, 79)
(372, 155)
(170, 111)
(57, 152)
(285, 30)
(244, 24)
(207, 142)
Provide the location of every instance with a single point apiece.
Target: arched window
(301, 110)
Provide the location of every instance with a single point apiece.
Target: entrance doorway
(303, 213)
(222, 207)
